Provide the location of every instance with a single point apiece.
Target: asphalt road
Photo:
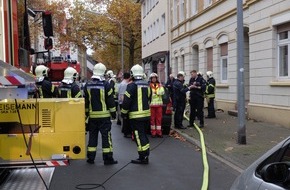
(174, 164)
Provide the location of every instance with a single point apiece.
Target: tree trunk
(131, 57)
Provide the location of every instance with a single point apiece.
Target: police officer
(196, 98)
(99, 106)
(136, 106)
(210, 94)
(45, 89)
(68, 87)
(179, 96)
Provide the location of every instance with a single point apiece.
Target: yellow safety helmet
(99, 70)
(70, 75)
(41, 71)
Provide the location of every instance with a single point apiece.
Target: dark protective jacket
(69, 90)
(136, 101)
(179, 92)
(45, 89)
(199, 82)
(210, 88)
(99, 101)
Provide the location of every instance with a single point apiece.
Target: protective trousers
(126, 129)
(196, 109)
(155, 120)
(210, 108)
(102, 125)
(141, 139)
(178, 115)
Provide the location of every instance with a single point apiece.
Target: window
(175, 12)
(163, 24)
(224, 62)
(148, 35)
(144, 9)
(144, 38)
(194, 6)
(181, 6)
(283, 50)
(182, 66)
(157, 28)
(154, 31)
(209, 58)
(207, 3)
(151, 33)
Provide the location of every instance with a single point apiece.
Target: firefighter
(210, 94)
(99, 106)
(179, 95)
(68, 87)
(136, 107)
(156, 106)
(111, 77)
(45, 89)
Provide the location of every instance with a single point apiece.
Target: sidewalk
(221, 138)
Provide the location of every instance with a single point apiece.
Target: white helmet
(153, 75)
(199, 73)
(110, 74)
(99, 70)
(181, 73)
(70, 75)
(137, 72)
(41, 71)
(209, 74)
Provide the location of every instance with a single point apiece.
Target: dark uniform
(100, 106)
(210, 95)
(69, 90)
(179, 96)
(45, 89)
(136, 106)
(197, 100)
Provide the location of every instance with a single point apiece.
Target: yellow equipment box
(52, 127)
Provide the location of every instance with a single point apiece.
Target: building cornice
(210, 23)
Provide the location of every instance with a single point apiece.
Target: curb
(197, 143)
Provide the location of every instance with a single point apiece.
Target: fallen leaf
(229, 149)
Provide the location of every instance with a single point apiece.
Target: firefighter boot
(141, 160)
(159, 133)
(109, 160)
(153, 133)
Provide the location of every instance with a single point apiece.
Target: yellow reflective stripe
(139, 114)
(210, 95)
(110, 142)
(127, 94)
(69, 93)
(52, 88)
(40, 92)
(110, 92)
(102, 95)
(124, 111)
(113, 109)
(92, 149)
(99, 114)
(139, 146)
(140, 102)
(78, 95)
(106, 150)
(90, 98)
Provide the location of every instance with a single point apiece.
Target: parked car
(271, 171)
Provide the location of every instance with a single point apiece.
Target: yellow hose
(204, 157)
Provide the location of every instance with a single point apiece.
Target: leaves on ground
(176, 135)
(229, 148)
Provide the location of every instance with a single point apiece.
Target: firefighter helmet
(137, 72)
(153, 75)
(209, 74)
(70, 75)
(181, 73)
(199, 73)
(41, 71)
(110, 74)
(99, 70)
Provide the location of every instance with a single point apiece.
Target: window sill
(280, 83)
(222, 86)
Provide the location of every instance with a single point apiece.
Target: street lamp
(122, 33)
